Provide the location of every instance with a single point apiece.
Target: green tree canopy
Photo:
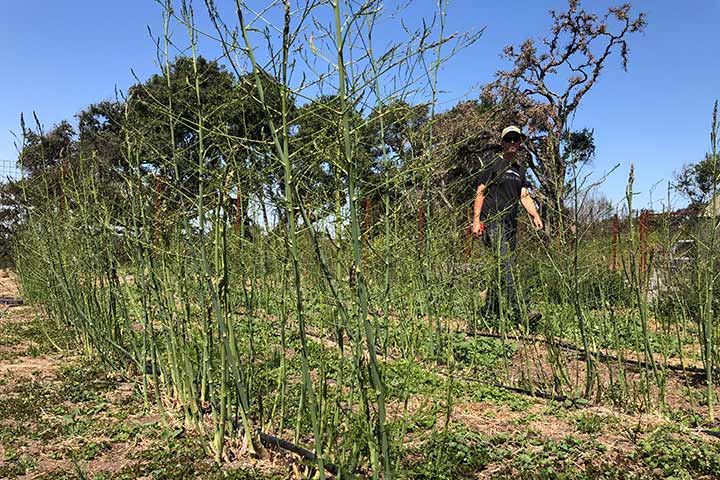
(696, 181)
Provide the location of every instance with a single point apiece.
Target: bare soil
(61, 417)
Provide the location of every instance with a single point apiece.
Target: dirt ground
(62, 416)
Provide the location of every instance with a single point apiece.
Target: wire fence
(9, 171)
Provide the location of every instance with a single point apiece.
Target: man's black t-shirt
(503, 182)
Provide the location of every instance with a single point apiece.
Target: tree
(164, 117)
(249, 147)
(43, 151)
(318, 162)
(12, 214)
(595, 209)
(578, 146)
(402, 132)
(695, 181)
(46, 159)
(101, 134)
(101, 137)
(549, 79)
(396, 135)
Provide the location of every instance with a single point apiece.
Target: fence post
(62, 188)
(468, 235)
(643, 240)
(421, 222)
(158, 206)
(368, 208)
(238, 210)
(616, 234)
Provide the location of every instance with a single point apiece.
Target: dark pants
(502, 298)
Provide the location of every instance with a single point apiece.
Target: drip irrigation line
(272, 441)
(530, 393)
(712, 433)
(330, 338)
(575, 348)
(525, 391)
(569, 346)
(11, 301)
(519, 390)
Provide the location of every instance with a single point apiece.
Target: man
(501, 185)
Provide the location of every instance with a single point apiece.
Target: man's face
(511, 143)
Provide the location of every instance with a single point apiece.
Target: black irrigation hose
(600, 355)
(712, 433)
(11, 301)
(535, 393)
(523, 391)
(272, 441)
(520, 390)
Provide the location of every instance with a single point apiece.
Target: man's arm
(478, 227)
(529, 205)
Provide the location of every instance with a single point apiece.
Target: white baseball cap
(511, 129)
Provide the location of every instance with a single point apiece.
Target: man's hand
(478, 228)
(538, 222)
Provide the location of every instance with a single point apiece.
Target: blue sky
(62, 56)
